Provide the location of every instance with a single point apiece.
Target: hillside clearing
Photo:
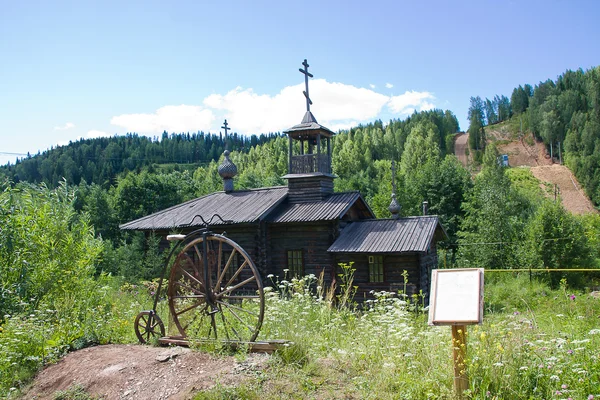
(526, 152)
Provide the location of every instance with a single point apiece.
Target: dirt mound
(141, 372)
(572, 196)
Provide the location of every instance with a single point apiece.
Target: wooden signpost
(457, 300)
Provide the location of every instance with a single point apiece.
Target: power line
(508, 243)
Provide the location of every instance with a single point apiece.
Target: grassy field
(535, 343)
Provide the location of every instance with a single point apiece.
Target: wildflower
(569, 351)
(554, 378)
(591, 397)
(572, 297)
(563, 386)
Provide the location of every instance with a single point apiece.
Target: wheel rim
(148, 326)
(230, 306)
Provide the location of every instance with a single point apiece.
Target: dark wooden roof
(411, 234)
(333, 207)
(239, 207)
(308, 127)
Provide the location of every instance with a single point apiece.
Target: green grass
(534, 343)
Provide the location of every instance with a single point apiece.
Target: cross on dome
(225, 128)
(306, 76)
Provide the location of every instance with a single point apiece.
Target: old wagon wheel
(148, 325)
(225, 301)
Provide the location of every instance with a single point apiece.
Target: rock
(172, 353)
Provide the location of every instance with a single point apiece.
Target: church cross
(306, 76)
(226, 128)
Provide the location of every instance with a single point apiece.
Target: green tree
(491, 232)
(558, 241)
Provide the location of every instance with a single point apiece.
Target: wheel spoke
(224, 321)
(225, 268)
(237, 273)
(241, 320)
(237, 308)
(200, 313)
(241, 297)
(189, 308)
(191, 296)
(213, 324)
(192, 277)
(188, 288)
(232, 288)
(219, 259)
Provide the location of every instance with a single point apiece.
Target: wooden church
(308, 228)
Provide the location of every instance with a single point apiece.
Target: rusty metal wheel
(224, 301)
(148, 326)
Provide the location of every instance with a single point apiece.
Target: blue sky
(81, 69)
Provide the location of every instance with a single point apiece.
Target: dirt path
(460, 148)
(573, 197)
(141, 372)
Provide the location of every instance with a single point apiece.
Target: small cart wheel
(223, 299)
(148, 325)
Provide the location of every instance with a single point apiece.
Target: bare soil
(572, 196)
(525, 151)
(142, 372)
(460, 148)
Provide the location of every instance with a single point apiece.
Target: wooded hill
(100, 160)
(563, 113)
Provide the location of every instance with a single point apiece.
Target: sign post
(457, 300)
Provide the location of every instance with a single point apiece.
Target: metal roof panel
(242, 206)
(410, 234)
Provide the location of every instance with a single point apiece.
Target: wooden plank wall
(428, 262)
(313, 238)
(394, 265)
(309, 189)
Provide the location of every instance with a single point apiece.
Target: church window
(295, 263)
(375, 268)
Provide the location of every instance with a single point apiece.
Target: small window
(375, 268)
(295, 263)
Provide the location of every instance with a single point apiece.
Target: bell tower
(309, 164)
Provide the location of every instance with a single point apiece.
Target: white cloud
(336, 106)
(389, 85)
(96, 134)
(371, 86)
(182, 118)
(409, 101)
(68, 125)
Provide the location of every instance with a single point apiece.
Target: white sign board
(456, 297)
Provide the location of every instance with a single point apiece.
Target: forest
(563, 113)
(59, 238)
